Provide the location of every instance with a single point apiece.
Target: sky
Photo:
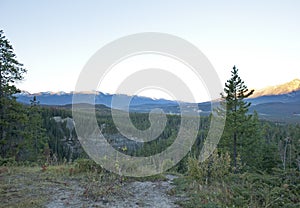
(54, 39)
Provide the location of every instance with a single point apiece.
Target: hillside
(278, 103)
(63, 98)
(285, 88)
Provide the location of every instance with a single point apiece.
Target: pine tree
(236, 113)
(11, 115)
(35, 134)
(11, 70)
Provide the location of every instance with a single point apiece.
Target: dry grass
(36, 187)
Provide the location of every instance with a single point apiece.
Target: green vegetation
(256, 164)
(35, 186)
(238, 127)
(280, 189)
(12, 115)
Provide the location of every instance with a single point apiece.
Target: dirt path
(147, 194)
(56, 188)
(133, 194)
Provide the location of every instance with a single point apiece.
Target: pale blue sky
(54, 39)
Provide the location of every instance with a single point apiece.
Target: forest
(256, 163)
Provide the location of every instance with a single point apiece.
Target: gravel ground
(132, 195)
(55, 188)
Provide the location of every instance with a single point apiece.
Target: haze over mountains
(278, 103)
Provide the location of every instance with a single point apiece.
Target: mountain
(293, 96)
(278, 111)
(63, 98)
(137, 103)
(280, 103)
(285, 88)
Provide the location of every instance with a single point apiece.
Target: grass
(281, 189)
(22, 186)
(152, 178)
(71, 184)
(16, 188)
(82, 182)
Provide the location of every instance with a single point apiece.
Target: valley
(278, 103)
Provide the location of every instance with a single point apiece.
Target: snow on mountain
(278, 103)
(63, 98)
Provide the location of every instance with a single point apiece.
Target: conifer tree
(11, 115)
(236, 113)
(35, 134)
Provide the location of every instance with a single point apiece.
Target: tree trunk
(287, 140)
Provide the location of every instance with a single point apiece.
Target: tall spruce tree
(10, 111)
(236, 113)
(35, 138)
(11, 70)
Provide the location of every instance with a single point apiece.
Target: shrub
(8, 161)
(87, 165)
(214, 168)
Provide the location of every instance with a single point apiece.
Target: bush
(8, 161)
(214, 168)
(87, 165)
(280, 189)
(264, 190)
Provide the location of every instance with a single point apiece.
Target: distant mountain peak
(285, 88)
(295, 82)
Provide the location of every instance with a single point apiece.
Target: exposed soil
(34, 188)
(131, 194)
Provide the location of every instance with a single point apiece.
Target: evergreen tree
(237, 120)
(36, 139)
(14, 122)
(11, 70)
(11, 113)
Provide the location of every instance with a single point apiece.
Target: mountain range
(279, 103)
(285, 88)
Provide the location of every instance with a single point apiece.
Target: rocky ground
(32, 187)
(131, 194)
